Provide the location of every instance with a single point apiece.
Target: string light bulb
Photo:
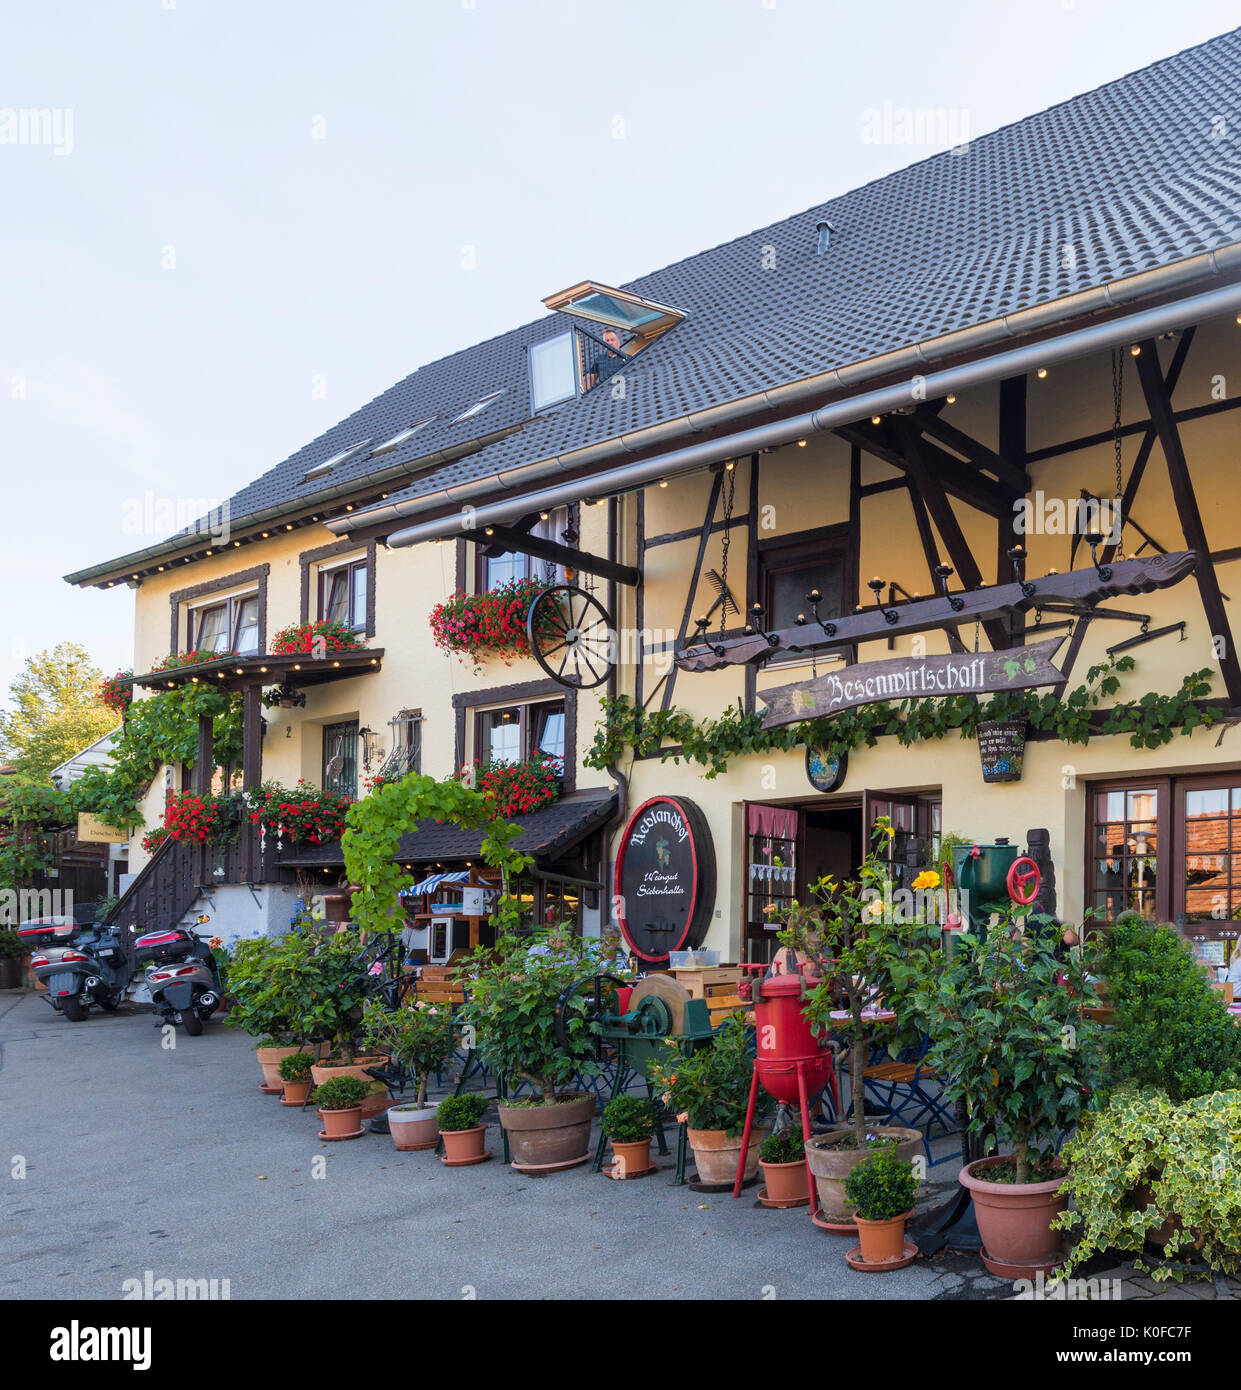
(1041, 374)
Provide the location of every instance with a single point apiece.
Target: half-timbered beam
(958, 479)
(945, 519)
(717, 486)
(1008, 471)
(931, 553)
(1159, 404)
(542, 549)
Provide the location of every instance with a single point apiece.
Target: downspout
(619, 778)
(1113, 333)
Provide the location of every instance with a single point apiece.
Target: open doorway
(790, 847)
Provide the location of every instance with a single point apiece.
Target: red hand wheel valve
(1024, 881)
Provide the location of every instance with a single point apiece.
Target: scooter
(81, 966)
(182, 976)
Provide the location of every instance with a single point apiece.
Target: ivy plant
(1144, 1162)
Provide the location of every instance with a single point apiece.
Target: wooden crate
(439, 984)
(717, 982)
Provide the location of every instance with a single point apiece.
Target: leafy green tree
(55, 710)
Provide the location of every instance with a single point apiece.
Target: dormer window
(321, 470)
(400, 437)
(477, 408)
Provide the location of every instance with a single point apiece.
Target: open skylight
(321, 470)
(477, 408)
(400, 437)
(617, 308)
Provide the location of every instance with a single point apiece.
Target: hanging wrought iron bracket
(1082, 588)
(1145, 636)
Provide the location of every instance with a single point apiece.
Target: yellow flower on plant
(928, 878)
(891, 834)
(875, 908)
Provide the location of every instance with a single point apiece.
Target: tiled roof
(546, 834)
(1130, 177)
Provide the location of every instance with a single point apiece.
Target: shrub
(710, 1085)
(882, 1187)
(11, 946)
(629, 1119)
(787, 1147)
(341, 1093)
(296, 1066)
(1145, 1160)
(1172, 1029)
(259, 1008)
(516, 987)
(461, 1112)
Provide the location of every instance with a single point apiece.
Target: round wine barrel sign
(665, 878)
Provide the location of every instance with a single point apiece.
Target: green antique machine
(634, 1025)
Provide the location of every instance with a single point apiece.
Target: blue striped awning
(429, 885)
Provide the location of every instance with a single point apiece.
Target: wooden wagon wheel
(570, 635)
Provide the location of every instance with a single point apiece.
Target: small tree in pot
(295, 1073)
(629, 1122)
(1010, 1038)
(420, 1037)
(872, 949)
(883, 1189)
(459, 1119)
(340, 1104)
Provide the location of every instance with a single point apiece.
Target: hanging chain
(1118, 395)
(725, 542)
(976, 627)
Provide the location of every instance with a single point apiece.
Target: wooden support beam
(251, 767)
(509, 539)
(751, 575)
(937, 503)
(717, 483)
(931, 552)
(1159, 404)
(958, 479)
(1012, 437)
(1008, 472)
(204, 764)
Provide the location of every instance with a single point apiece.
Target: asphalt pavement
(126, 1160)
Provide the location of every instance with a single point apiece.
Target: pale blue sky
(172, 285)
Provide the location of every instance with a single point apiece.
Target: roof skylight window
(477, 408)
(321, 470)
(400, 437)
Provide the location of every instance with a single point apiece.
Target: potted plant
(710, 1087)
(629, 1122)
(882, 1189)
(532, 1028)
(294, 1071)
(340, 1107)
(1149, 1172)
(419, 1036)
(1009, 1037)
(782, 1158)
(259, 1007)
(459, 1119)
(11, 952)
(870, 955)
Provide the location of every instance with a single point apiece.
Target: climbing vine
(672, 733)
(162, 729)
(372, 842)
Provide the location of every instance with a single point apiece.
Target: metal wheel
(595, 989)
(570, 635)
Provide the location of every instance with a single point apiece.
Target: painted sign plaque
(1002, 748)
(93, 831)
(912, 678)
(664, 882)
(825, 771)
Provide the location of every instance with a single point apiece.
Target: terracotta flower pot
(269, 1060)
(376, 1101)
(1157, 1237)
(633, 1157)
(786, 1182)
(546, 1137)
(337, 1124)
(831, 1165)
(882, 1241)
(464, 1145)
(413, 1128)
(716, 1154)
(1014, 1220)
(295, 1092)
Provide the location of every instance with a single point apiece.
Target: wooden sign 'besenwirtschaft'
(912, 678)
